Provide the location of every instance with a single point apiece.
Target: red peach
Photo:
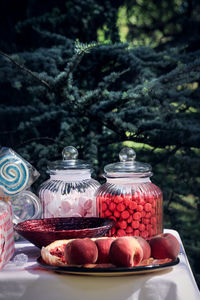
(81, 251)
(145, 247)
(164, 245)
(103, 245)
(126, 252)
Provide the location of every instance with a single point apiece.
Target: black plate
(115, 271)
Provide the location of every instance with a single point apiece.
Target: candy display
(26, 205)
(16, 174)
(6, 233)
(70, 190)
(130, 198)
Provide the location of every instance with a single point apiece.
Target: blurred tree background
(138, 86)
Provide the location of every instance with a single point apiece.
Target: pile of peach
(121, 251)
(135, 215)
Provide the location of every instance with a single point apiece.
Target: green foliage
(99, 96)
(157, 23)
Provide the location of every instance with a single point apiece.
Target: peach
(81, 251)
(126, 252)
(145, 247)
(103, 245)
(164, 245)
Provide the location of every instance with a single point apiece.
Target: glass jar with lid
(130, 198)
(70, 191)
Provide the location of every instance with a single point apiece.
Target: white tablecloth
(31, 282)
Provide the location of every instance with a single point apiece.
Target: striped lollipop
(14, 175)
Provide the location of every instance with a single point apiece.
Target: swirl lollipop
(14, 175)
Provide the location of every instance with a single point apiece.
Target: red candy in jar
(130, 198)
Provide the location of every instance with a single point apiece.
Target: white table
(31, 282)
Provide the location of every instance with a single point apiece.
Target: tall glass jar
(70, 191)
(130, 198)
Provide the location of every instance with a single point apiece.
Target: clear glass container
(26, 206)
(70, 191)
(130, 198)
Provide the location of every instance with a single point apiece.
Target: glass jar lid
(70, 161)
(127, 166)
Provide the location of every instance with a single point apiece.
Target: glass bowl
(42, 232)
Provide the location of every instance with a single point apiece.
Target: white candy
(20, 259)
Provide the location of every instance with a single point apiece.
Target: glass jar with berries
(130, 198)
(70, 191)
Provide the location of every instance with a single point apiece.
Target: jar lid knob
(70, 153)
(127, 155)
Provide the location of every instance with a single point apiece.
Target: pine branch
(80, 50)
(189, 72)
(95, 96)
(43, 82)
